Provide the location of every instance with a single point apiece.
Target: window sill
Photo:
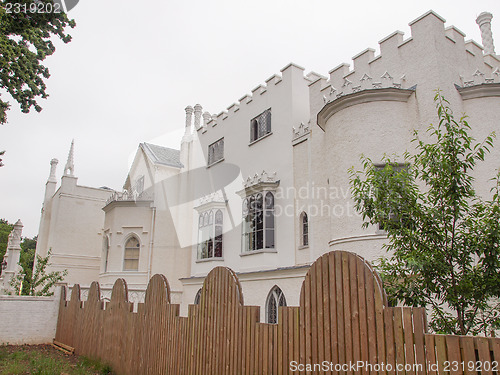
(215, 162)
(204, 260)
(259, 139)
(302, 247)
(260, 251)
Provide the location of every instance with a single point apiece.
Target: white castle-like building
(263, 187)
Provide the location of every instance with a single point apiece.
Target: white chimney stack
(197, 115)
(187, 130)
(484, 22)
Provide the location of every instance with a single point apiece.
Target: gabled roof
(162, 155)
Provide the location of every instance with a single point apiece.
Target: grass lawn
(45, 360)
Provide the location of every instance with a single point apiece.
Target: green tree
(39, 282)
(25, 41)
(443, 238)
(5, 229)
(27, 260)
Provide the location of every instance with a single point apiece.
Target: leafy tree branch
(444, 239)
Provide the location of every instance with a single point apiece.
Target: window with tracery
(132, 251)
(260, 125)
(258, 222)
(216, 151)
(304, 229)
(210, 225)
(275, 299)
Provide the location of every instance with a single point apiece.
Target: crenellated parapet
(260, 93)
(432, 57)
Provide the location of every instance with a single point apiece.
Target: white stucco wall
(434, 57)
(255, 287)
(288, 99)
(28, 320)
(71, 225)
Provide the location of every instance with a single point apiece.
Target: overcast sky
(132, 67)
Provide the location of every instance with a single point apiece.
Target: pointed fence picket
(343, 318)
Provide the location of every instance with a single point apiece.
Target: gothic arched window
(258, 222)
(304, 229)
(197, 297)
(210, 226)
(105, 249)
(260, 125)
(275, 299)
(131, 256)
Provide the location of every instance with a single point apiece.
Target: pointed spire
(69, 168)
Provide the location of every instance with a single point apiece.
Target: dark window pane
(216, 151)
(258, 202)
(260, 125)
(269, 219)
(269, 200)
(260, 239)
(251, 204)
(305, 230)
(218, 247)
(259, 220)
(269, 238)
(197, 298)
(272, 311)
(275, 299)
(210, 248)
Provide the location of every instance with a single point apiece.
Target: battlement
(403, 63)
(288, 73)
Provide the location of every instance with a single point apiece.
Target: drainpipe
(151, 241)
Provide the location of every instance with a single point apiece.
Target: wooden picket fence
(343, 321)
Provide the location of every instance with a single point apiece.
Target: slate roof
(162, 155)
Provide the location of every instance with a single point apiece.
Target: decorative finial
(69, 168)
(484, 22)
(53, 166)
(15, 236)
(197, 115)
